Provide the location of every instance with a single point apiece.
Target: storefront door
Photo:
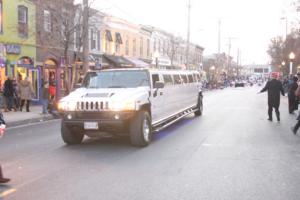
(33, 75)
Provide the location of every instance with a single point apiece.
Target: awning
(112, 61)
(138, 62)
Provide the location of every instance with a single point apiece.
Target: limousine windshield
(116, 79)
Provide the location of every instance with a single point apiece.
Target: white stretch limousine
(131, 101)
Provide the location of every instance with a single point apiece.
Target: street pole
(85, 45)
(291, 67)
(156, 62)
(188, 35)
(219, 37)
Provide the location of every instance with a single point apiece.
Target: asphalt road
(231, 152)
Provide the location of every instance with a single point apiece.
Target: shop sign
(13, 49)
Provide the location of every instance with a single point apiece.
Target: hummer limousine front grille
(92, 106)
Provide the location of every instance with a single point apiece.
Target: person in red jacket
(2, 130)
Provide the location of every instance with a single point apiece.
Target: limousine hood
(84, 94)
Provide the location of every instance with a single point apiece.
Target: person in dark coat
(45, 97)
(293, 100)
(8, 93)
(274, 88)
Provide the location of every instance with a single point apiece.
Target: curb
(30, 121)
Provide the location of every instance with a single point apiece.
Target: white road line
(7, 192)
(32, 124)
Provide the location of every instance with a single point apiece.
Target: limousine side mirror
(159, 84)
(77, 85)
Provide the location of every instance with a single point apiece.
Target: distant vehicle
(239, 84)
(134, 102)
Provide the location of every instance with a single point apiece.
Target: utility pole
(229, 49)
(85, 31)
(219, 37)
(219, 43)
(188, 35)
(237, 62)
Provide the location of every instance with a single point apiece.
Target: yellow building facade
(122, 38)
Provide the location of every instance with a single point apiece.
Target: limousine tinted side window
(184, 78)
(168, 79)
(177, 79)
(155, 78)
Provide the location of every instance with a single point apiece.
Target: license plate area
(91, 126)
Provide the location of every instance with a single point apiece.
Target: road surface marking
(7, 192)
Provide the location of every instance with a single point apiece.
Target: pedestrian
(2, 131)
(45, 97)
(26, 93)
(274, 88)
(8, 93)
(16, 94)
(293, 100)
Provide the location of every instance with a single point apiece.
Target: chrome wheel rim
(146, 130)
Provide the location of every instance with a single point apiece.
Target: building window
(93, 39)
(47, 21)
(134, 47)
(141, 47)
(158, 48)
(118, 42)
(1, 17)
(98, 40)
(23, 21)
(127, 46)
(108, 36)
(148, 48)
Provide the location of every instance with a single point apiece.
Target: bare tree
(172, 47)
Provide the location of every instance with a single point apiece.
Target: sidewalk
(20, 118)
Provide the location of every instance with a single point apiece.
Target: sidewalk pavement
(21, 118)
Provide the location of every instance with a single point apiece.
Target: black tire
(199, 108)
(70, 137)
(137, 130)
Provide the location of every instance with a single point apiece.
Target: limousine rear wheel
(70, 137)
(199, 110)
(140, 129)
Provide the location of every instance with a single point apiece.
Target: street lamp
(292, 57)
(156, 55)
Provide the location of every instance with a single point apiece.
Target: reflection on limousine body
(132, 101)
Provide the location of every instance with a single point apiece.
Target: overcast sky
(252, 23)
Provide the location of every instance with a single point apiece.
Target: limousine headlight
(67, 105)
(122, 105)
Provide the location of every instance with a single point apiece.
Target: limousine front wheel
(70, 137)
(140, 129)
(199, 108)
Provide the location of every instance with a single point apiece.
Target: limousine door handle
(161, 93)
